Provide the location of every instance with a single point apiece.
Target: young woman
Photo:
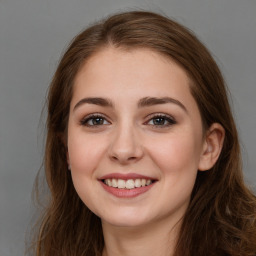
(142, 154)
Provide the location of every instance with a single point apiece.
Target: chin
(131, 223)
(126, 220)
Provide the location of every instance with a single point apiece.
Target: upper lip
(126, 176)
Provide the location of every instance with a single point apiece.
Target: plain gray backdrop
(34, 34)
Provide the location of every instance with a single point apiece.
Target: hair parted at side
(221, 217)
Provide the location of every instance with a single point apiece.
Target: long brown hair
(220, 219)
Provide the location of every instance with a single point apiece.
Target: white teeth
(148, 182)
(108, 182)
(128, 184)
(120, 183)
(137, 183)
(114, 183)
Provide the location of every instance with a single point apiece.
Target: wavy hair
(221, 217)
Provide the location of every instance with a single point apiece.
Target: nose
(125, 146)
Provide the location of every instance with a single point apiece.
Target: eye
(161, 120)
(94, 120)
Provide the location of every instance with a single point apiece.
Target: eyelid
(91, 116)
(168, 117)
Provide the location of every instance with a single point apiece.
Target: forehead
(130, 69)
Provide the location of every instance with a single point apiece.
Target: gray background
(34, 33)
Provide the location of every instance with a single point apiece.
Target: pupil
(97, 121)
(159, 121)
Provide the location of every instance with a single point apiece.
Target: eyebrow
(151, 101)
(96, 101)
(144, 102)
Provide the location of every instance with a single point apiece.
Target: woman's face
(134, 125)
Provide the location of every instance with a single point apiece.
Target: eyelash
(92, 117)
(166, 118)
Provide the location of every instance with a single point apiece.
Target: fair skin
(132, 117)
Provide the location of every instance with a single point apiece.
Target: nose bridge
(125, 144)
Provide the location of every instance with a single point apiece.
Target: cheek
(177, 157)
(84, 152)
(84, 155)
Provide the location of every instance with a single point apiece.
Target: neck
(149, 240)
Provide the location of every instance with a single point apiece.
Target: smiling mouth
(128, 184)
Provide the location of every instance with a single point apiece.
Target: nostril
(132, 158)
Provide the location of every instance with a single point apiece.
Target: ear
(212, 147)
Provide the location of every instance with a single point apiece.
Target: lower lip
(126, 193)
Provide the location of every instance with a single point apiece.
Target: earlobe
(212, 147)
